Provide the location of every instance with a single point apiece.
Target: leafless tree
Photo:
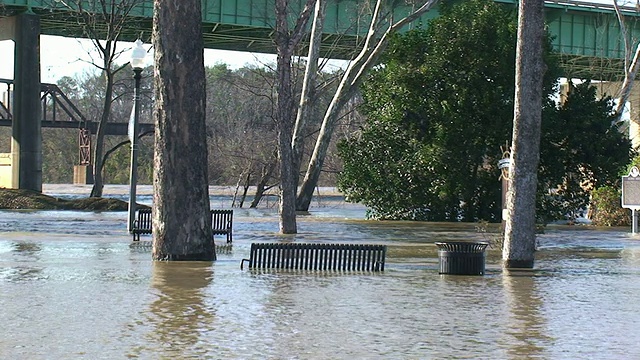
(308, 93)
(242, 129)
(631, 66)
(103, 22)
(381, 27)
(287, 40)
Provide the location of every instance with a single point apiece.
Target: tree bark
(245, 188)
(98, 183)
(286, 42)
(261, 186)
(520, 235)
(181, 209)
(285, 152)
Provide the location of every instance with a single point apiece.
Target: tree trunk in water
(287, 40)
(520, 233)
(258, 196)
(181, 209)
(288, 185)
(261, 187)
(98, 164)
(98, 184)
(245, 187)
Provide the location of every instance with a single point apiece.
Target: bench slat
(301, 256)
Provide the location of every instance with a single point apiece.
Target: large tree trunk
(285, 111)
(520, 234)
(181, 209)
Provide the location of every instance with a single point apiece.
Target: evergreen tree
(439, 108)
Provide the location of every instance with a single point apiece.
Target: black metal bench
(221, 223)
(351, 257)
(142, 224)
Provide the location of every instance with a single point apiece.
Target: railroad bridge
(586, 35)
(58, 111)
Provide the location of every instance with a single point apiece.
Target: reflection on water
(71, 286)
(25, 266)
(179, 316)
(527, 336)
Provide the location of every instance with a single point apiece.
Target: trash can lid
(462, 246)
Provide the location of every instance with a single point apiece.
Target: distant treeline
(241, 128)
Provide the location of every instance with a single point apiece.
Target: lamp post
(137, 63)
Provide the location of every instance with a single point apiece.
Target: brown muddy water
(72, 286)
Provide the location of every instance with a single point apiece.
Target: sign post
(504, 165)
(631, 196)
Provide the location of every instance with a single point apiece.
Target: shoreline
(119, 190)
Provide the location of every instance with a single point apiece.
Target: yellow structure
(6, 177)
(82, 174)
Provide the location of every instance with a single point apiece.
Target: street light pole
(137, 63)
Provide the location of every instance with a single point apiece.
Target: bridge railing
(53, 99)
(57, 109)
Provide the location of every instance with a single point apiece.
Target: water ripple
(75, 286)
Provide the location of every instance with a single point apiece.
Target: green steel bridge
(586, 35)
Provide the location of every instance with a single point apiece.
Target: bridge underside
(232, 34)
(590, 67)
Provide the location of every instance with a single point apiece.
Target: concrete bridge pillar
(26, 142)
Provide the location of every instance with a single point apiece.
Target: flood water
(72, 286)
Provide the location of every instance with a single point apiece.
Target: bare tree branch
(630, 70)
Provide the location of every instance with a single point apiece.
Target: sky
(61, 56)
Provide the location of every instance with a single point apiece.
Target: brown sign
(631, 189)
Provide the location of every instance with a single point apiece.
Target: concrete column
(26, 143)
(82, 174)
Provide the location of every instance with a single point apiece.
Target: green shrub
(606, 208)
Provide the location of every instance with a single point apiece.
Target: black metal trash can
(461, 258)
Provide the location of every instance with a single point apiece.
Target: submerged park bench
(142, 224)
(350, 257)
(221, 223)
